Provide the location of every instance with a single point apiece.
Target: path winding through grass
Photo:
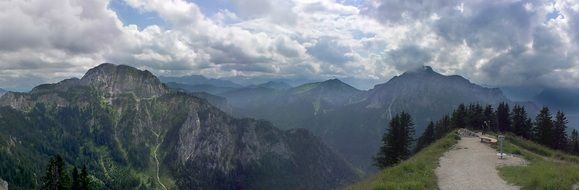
(473, 165)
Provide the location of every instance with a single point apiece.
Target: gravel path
(472, 165)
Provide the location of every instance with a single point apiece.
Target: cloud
(62, 24)
(507, 42)
(409, 58)
(498, 43)
(330, 51)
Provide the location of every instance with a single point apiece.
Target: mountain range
(200, 80)
(352, 121)
(133, 129)
(134, 132)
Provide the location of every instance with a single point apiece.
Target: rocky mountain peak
(121, 79)
(426, 85)
(422, 71)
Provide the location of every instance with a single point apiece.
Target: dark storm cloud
(508, 42)
(409, 58)
(489, 25)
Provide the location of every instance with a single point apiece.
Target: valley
(330, 131)
(351, 121)
(289, 94)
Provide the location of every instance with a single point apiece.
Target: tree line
(543, 129)
(58, 178)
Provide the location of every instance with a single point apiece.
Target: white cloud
(507, 42)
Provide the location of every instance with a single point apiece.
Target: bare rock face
(118, 79)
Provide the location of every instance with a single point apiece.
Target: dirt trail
(473, 165)
(157, 159)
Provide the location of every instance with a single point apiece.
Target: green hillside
(414, 173)
(547, 168)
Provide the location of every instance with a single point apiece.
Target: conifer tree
(75, 179)
(84, 180)
(574, 142)
(396, 141)
(426, 138)
(503, 118)
(521, 125)
(56, 178)
(442, 127)
(490, 119)
(459, 117)
(475, 117)
(560, 131)
(544, 127)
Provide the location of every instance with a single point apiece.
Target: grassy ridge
(414, 173)
(547, 168)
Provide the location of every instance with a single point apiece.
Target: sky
(495, 43)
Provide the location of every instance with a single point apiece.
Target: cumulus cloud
(43, 41)
(507, 42)
(501, 43)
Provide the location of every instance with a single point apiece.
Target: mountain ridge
(200, 79)
(123, 123)
(352, 124)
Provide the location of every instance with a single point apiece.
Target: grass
(547, 168)
(414, 173)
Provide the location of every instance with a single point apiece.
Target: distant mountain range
(277, 85)
(132, 131)
(355, 128)
(2, 92)
(200, 80)
(352, 121)
(124, 123)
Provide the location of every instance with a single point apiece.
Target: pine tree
(504, 118)
(459, 117)
(407, 134)
(387, 155)
(426, 138)
(396, 141)
(490, 119)
(574, 142)
(80, 181)
(442, 127)
(521, 125)
(56, 178)
(475, 117)
(544, 127)
(84, 180)
(75, 179)
(560, 131)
